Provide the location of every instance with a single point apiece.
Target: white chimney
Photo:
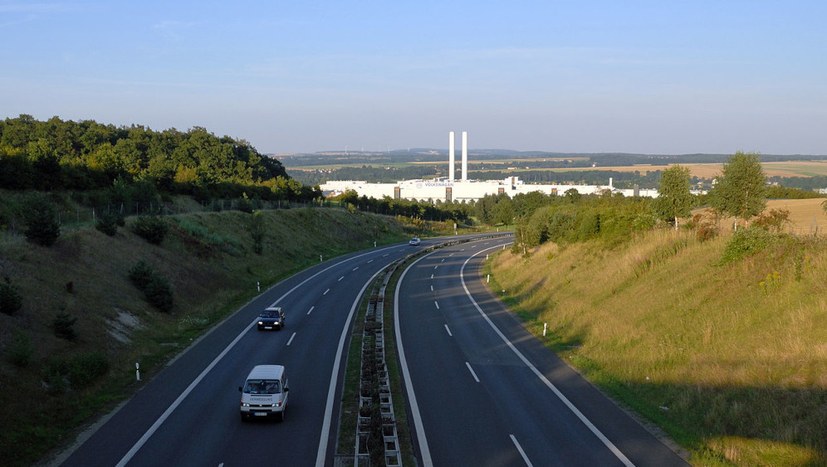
(451, 156)
(464, 156)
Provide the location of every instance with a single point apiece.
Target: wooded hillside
(86, 155)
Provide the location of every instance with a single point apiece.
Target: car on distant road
(414, 241)
(271, 318)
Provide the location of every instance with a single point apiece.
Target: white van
(264, 392)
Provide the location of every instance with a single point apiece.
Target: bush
(257, 231)
(54, 377)
(773, 221)
(244, 204)
(159, 294)
(108, 223)
(63, 326)
(10, 300)
(42, 226)
(79, 371)
(705, 229)
(20, 350)
(84, 369)
(747, 242)
(152, 228)
(156, 288)
(141, 275)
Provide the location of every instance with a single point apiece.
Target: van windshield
(262, 386)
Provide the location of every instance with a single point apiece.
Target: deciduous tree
(740, 191)
(674, 199)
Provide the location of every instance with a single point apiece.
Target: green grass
(729, 359)
(207, 257)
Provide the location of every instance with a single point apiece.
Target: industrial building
(464, 189)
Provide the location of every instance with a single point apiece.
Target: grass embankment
(49, 385)
(730, 359)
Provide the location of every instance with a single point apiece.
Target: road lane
(205, 428)
(516, 418)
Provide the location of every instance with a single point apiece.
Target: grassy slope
(209, 260)
(731, 360)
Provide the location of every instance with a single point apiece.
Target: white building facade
(463, 190)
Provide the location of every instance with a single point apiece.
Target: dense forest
(58, 155)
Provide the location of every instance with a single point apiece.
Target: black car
(271, 318)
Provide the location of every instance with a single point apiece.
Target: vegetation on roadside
(732, 368)
(73, 322)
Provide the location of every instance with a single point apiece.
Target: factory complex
(464, 190)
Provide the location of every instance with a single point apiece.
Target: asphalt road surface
(188, 414)
(487, 390)
(483, 392)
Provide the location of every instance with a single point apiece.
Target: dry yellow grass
(771, 169)
(807, 216)
(729, 359)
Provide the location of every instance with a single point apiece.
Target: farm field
(771, 169)
(806, 215)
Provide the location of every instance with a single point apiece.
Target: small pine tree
(42, 226)
(257, 231)
(159, 294)
(244, 204)
(141, 274)
(64, 326)
(152, 228)
(108, 223)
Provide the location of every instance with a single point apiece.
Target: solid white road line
(137, 446)
(606, 442)
(447, 329)
(424, 451)
(160, 421)
(311, 309)
(331, 391)
(472, 372)
(520, 449)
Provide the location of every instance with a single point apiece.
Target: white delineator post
(464, 156)
(450, 156)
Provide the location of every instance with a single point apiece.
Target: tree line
(740, 192)
(58, 154)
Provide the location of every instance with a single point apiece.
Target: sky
(656, 77)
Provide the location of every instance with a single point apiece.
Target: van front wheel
(280, 415)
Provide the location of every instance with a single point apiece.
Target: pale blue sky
(655, 76)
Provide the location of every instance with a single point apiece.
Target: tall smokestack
(450, 156)
(464, 156)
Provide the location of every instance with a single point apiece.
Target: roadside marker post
(137, 371)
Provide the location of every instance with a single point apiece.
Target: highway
(188, 413)
(482, 391)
